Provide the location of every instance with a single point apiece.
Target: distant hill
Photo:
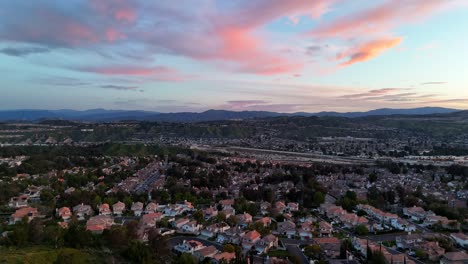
(95, 115)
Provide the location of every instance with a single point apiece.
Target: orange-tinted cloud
(380, 18)
(368, 50)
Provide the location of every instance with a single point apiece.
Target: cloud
(381, 18)
(372, 93)
(433, 83)
(227, 35)
(60, 81)
(368, 50)
(23, 51)
(158, 73)
(119, 87)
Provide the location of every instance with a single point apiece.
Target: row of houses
(387, 219)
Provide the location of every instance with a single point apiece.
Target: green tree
(361, 230)
(229, 248)
(185, 258)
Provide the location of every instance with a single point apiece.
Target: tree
(221, 217)
(346, 245)
(158, 244)
(361, 230)
(229, 248)
(377, 257)
(138, 252)
(318, 199)
(313, 251)
(185, 258)
(198, 215)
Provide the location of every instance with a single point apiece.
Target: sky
(195, 55)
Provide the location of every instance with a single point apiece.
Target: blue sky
(194, 55)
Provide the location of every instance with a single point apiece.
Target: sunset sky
(194, 55)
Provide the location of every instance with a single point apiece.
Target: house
(137, 208)
(104, 209)
(210, 212)
(409, 241)
(286, 228)
(417, 213)
(280, 206)
(206, 252)
(213, 230)
(460, 238)
(293, 207)
(459, 257)
(264, 221)
(265, 208)
(250, 239)
(180, 222)
(82, 210)
(403, 225)
(232, 235)
(189, 246)
(69, 190)
(97, 224)
(432, 249)
(228, 212)
(244, 219)
(305, 232)
(224, 257)
(29, 212)
(149, 220)
(191, 227)
(151, 208)
(329, 245)
(64, 213)
(266, 243)
(118, 208)
(227, 204)
(325, 229)
(18, 201)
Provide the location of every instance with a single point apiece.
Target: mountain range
(103, 115)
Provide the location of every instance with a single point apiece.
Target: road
(296, 251)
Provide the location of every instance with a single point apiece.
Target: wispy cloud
(23, 51)
(433, 83)
(368, 50)
(120, 87)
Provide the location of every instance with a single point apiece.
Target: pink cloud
(158, 73)
(368, 50)
(127, 15)
(113, 35)
(381, 18)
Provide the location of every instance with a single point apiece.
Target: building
(137, 208)
(64, 213)
(118, 208)
(104, 209)
(250, 239)
(454, 258)
(206, 252)
(189, 246)
(97, 224)
(82, 210)
(191, 227)
(149, 220)
(26, 212)
(460, 238)
(151, 208)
